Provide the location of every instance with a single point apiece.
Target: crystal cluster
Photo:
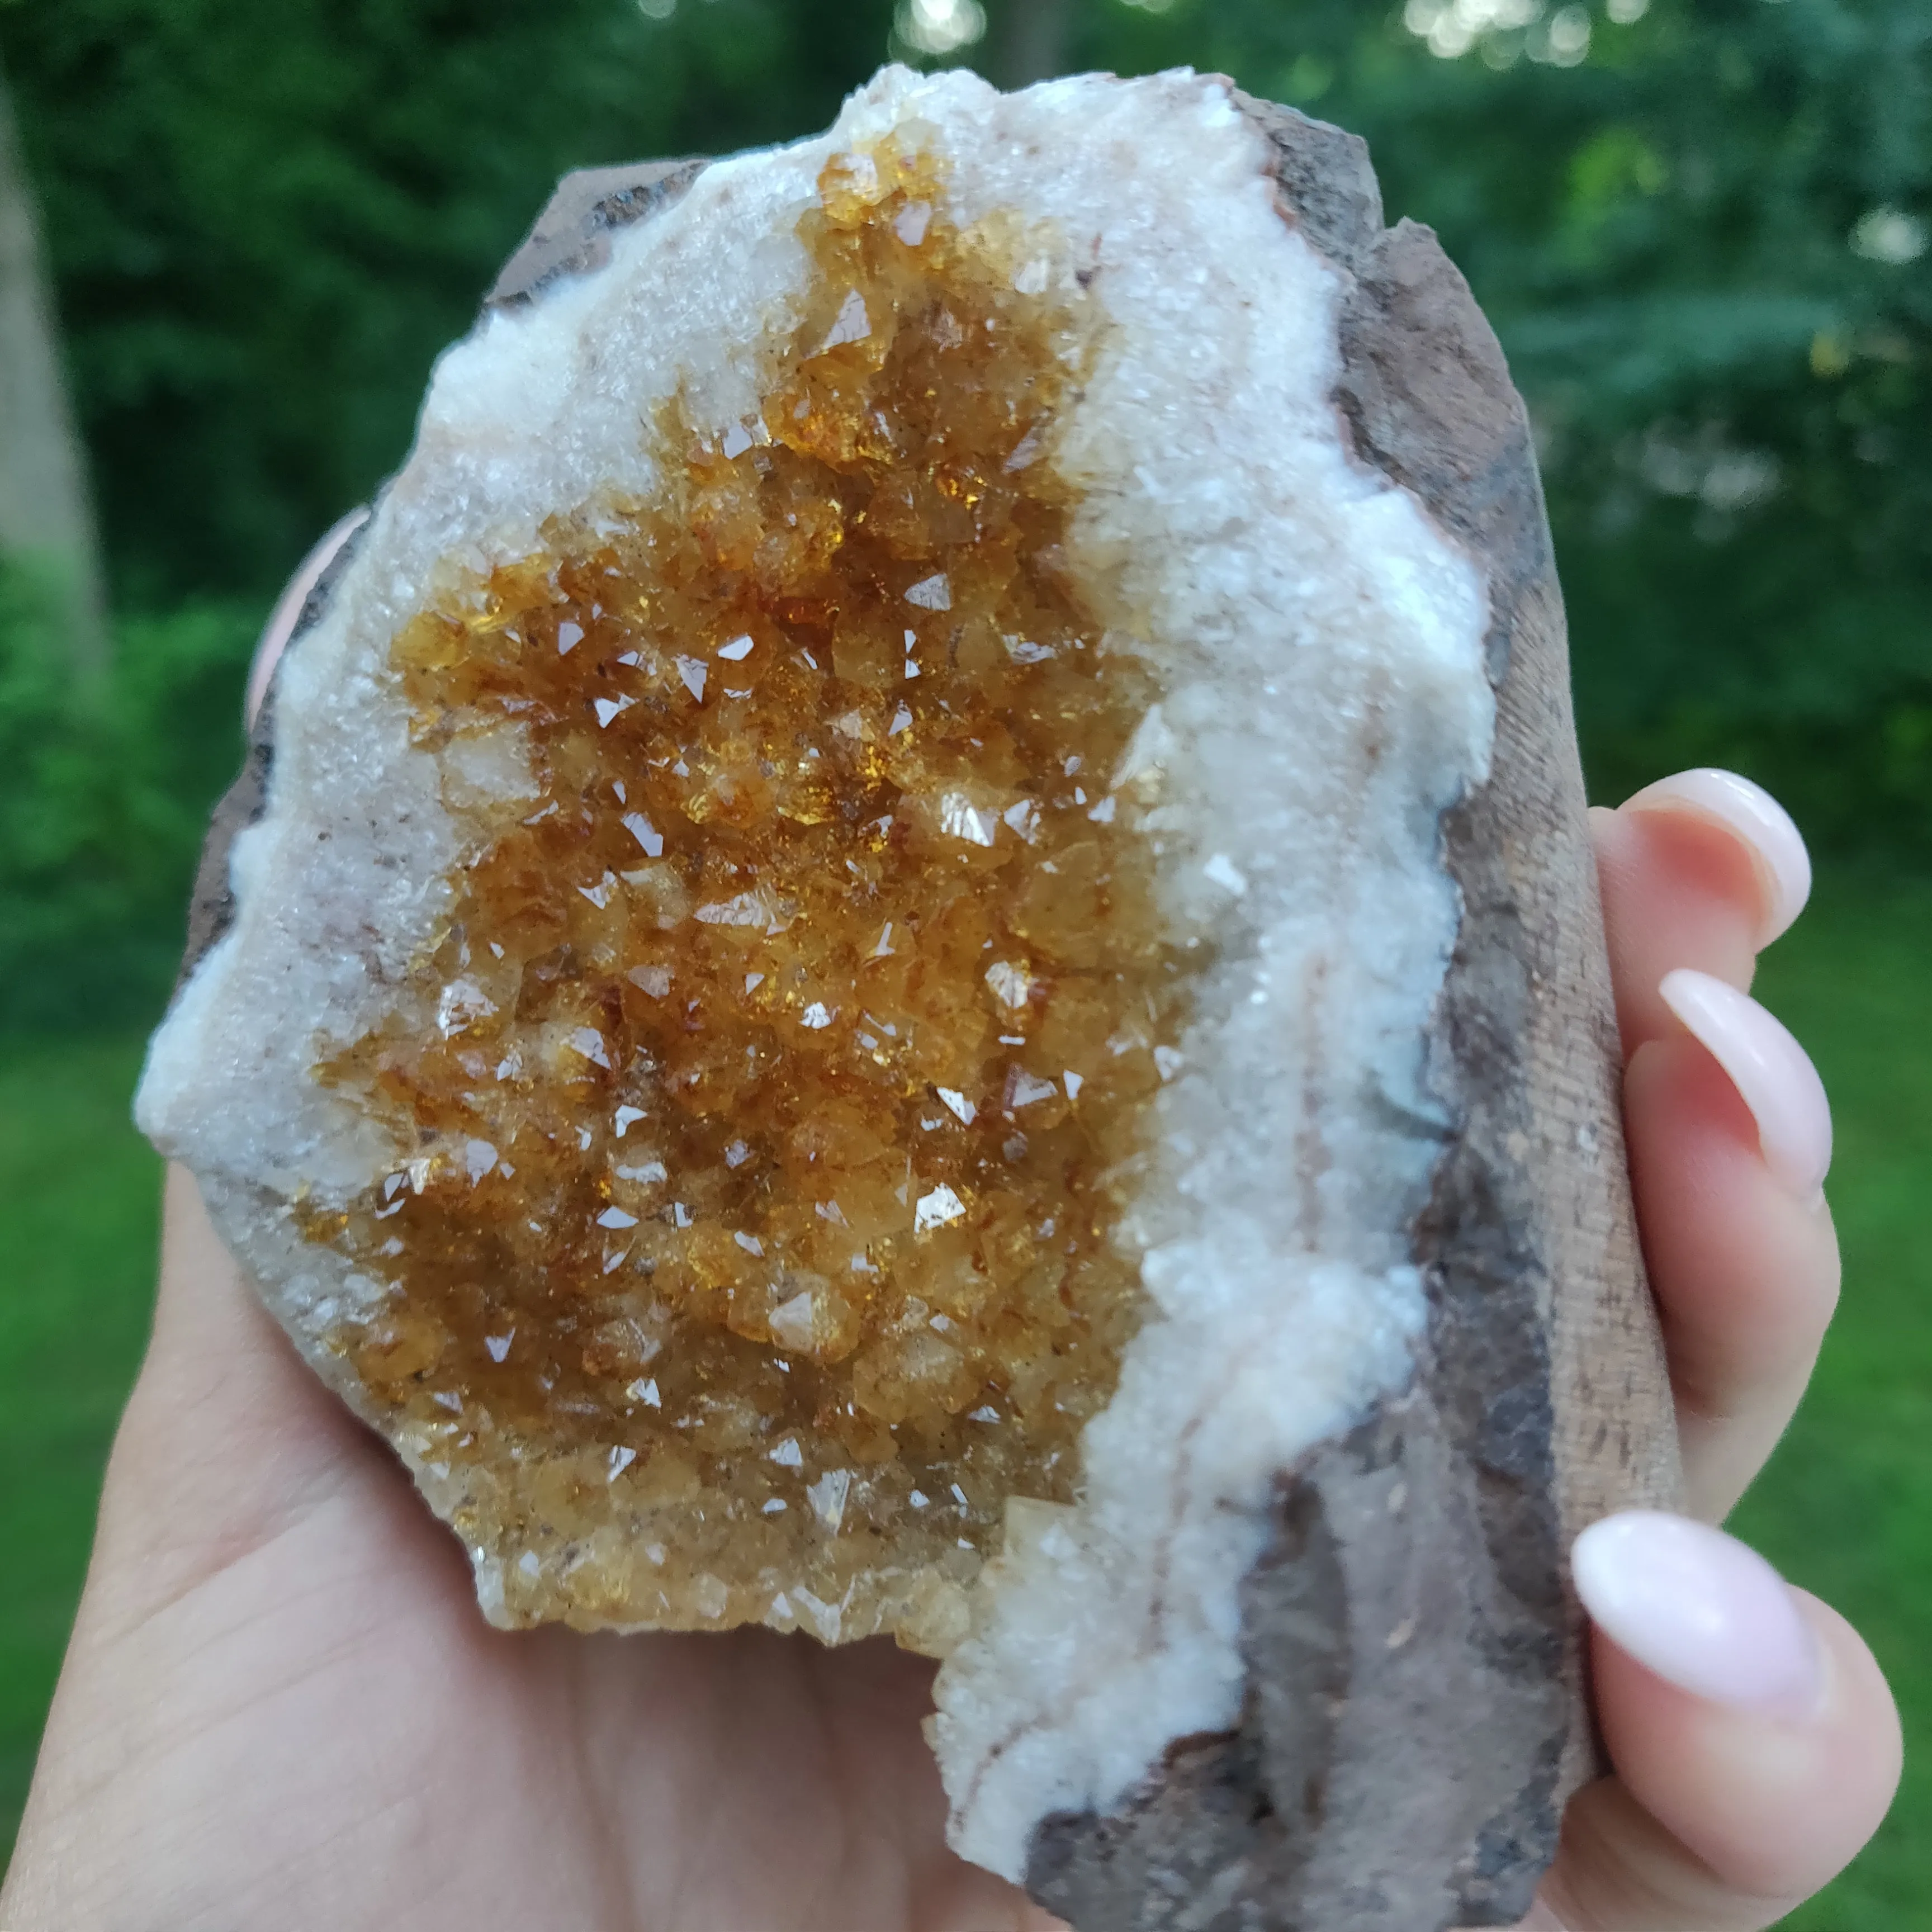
(766, 1109)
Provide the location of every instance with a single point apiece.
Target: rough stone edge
(1417, 1712)
(210, 910)
(571, 237)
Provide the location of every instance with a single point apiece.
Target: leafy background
(1701, 227)
(1701, 232)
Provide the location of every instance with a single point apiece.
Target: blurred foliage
(102, 799)
(1701, 233)
(265, 221)
(1700, 227)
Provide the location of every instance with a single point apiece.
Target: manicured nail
(287, 613)
(1771, 1071)
(1698, 1609)
(1757, 819)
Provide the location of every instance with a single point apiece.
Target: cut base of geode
(913, 953)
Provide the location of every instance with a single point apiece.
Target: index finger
(1702, 869)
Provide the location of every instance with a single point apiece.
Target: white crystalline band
(1320, 643)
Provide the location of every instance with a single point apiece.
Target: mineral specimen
(913, 956)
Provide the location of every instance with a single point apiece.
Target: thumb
(227, 1438)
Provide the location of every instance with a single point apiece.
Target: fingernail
(1777, 846)
(1698, 1609)
(1772, 1073)
(287, 613)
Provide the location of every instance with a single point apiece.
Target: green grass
(79, 1197)
(1846, 1508)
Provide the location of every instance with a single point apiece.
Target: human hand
(281, 1709)
(1756, 1745)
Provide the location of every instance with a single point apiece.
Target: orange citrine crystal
(766, 1113)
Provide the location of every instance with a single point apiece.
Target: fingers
(1762, 825)
(1741, 1248)
(1702, 869)
(1755, 1744)
(1769, 1069)
(1728, 1131)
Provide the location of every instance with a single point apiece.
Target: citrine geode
(775, 1080)
(898, 969)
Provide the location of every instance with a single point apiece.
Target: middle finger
(1698, 872)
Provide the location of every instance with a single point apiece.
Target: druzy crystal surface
(766, 1106)
(819, 1003)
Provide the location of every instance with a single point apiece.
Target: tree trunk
(1028, 41)
(47, 515)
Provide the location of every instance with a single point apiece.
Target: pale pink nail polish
(1771, 1071)
(1757, 819)
(1700, 1610)
(287, 613)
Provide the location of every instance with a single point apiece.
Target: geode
(910, 949)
